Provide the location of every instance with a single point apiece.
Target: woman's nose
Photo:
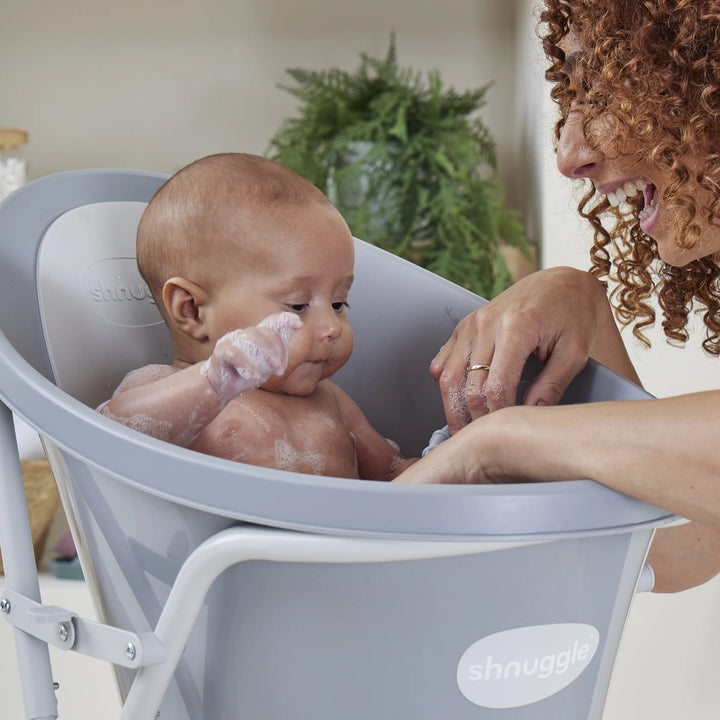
(575, 157)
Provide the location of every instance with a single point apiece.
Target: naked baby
(251, 267)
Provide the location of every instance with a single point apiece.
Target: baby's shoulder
(329, 392)
(345, 405)
(144, 376)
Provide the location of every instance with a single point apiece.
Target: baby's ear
(184, 302)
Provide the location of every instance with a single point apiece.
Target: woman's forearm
(663, 452)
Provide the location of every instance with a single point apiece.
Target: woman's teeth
(625, 191)
(650, 203)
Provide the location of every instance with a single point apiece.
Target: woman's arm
(664, 452)
(685, 556)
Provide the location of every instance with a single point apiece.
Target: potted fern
(408, 162)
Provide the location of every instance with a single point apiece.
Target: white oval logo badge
(525, 665)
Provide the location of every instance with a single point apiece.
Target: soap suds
(238, 364)
(160, 429)
(494, 388)
(290, 458)
(259, 419)
(458, 403)
(323, 419)
(397, 461)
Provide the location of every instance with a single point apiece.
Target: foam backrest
(401, 315)
(97, 312)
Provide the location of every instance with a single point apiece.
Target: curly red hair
(651, 70)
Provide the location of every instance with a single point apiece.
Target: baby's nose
(329, 326)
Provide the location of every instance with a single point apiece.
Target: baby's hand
(244, 359)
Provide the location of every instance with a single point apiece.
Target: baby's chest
(308, 439)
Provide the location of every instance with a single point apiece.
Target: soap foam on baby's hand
(244, 359)
(285, 324)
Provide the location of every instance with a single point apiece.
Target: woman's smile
(629, 189)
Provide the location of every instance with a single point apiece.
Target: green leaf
(399, 129)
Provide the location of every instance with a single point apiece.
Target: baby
(251, 266)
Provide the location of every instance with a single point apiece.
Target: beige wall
(157, 83)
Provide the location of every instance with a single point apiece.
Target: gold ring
(476, 367)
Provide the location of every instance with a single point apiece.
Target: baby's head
(233, 238)
(207, 211)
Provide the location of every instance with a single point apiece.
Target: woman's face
(622, 173)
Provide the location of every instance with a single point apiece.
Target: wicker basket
(42, 500)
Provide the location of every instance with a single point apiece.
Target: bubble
(458, 403)
(323, 419)
(160, 429)
(397, 461)
(259, 419)
(287, 457)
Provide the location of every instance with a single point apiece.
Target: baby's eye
(298, 307)
(340, 306)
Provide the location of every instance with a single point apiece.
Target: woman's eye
(340, 306)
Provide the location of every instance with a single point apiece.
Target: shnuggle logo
(525, 665)
(118, 293)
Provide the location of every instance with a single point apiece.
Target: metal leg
(21, 576)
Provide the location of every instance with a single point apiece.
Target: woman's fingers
(552, 315)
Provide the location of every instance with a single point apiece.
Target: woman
(638, 87)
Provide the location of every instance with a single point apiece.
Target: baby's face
(304, 265)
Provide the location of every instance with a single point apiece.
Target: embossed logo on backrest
(117, 292)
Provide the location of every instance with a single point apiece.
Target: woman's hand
(560, 315)
(492, 449)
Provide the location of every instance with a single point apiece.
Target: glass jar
(13, 168)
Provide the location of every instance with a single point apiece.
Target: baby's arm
(378, 458)
(177, 406)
